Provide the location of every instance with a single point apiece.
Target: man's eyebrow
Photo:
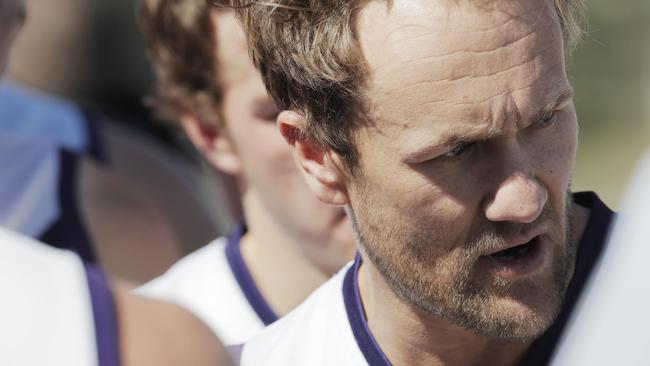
(555, 100)
(425, 152)
(560, 97)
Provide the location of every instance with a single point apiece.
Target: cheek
(409, 203)
(271, 168)
(269, 159)
(419, 208)
(258, 142)
(558, 155)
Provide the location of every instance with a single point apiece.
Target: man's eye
(267, 112)
(547, 118)
(458, 150)
(269, 116)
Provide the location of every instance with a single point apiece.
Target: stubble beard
(445, 286)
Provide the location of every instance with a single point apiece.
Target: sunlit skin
(294, 242)
(471, 148)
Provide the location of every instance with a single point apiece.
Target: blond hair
(311, 62)
(181, 39)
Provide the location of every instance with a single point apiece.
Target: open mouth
(518, 252)
(518, 260)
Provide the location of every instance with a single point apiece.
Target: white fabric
(612, 319)
(46, 315)
(203, 283)
(316, 333)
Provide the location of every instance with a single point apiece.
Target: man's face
(267, 166)
(470, 153)
(12, 15)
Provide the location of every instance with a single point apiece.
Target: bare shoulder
(154, 332)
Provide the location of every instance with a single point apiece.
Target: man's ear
(212, 142)
(319, 165)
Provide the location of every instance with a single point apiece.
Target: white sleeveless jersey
(316, 333)
(215, 284)
(330, 327)
(54, 309)
(612, 320)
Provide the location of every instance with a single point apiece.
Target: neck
(281, 272)
(408, 336)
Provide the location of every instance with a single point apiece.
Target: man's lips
(515, 242)
(520, 256)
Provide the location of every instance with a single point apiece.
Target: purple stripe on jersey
(68, 231)
(245, 279)
(357, 318)
(105, 317)
(591, 247)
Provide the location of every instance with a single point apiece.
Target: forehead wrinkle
(454, 93)
(482, 52)
(521, 47)
(427, 32)
(505, 69)
(504, 107)
(501, 94)
(465, 66)
(399, 34)
(468, 64)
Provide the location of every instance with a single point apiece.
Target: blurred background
(92, 52)
(160, 197)
(611, 76)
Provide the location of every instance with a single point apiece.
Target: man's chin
(516, 309)
(509, 318)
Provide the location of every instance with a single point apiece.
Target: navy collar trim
(591, 246)
(357, 318)
(245, 279)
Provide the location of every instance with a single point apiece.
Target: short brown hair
(181, 41)
(311, 62)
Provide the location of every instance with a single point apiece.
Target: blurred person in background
(76, 180)
(57, 310)
(289, 242)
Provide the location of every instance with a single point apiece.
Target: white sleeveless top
(54, 309)
(215, 284)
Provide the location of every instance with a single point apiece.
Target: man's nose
(519, 198)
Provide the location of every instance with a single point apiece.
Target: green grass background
(610, 72)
